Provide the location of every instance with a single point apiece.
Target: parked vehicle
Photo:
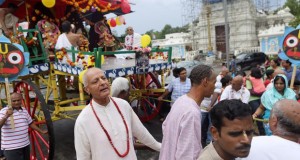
(246, 61)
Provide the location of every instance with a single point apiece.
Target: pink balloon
(125, 7)
(113, 22)
(121, 19)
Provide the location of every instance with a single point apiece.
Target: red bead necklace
(108, 136)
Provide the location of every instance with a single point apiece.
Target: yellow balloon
(118, 21)
(48, 3)
(108, 22)
(81, 75)
(145, 40)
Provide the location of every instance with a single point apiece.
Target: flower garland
(99, 5)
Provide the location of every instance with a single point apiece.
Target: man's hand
(44, 131)
(9, 112)
(160, 98)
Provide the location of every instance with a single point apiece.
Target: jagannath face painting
(11, 60)
(291, 44)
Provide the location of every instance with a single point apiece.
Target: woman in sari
(271, 96)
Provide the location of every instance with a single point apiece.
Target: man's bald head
(237, 83)
(285, 118)
(224, 71)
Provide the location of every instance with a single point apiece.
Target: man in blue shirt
(288, 70)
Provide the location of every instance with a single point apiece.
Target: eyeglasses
(129, 29)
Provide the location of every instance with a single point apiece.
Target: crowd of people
(212, 116)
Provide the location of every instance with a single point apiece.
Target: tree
(294, 5)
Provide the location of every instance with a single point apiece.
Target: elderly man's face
(129, 30)
(234, 138)
(98, 85)
(16, 100)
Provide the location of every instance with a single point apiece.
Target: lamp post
(208, 13)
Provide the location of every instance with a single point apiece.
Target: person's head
(284, 119)
(232, 128)
(16, 100)
(286, 64)
(237, 83)
(204, 77)
(270, 73)
(241, 73)
(256, 73)
(120, 88)
(280, 83)
(66, 26)
(96, 84)
(175, 72)
(274, 63)
(296, 86)
(224, 72)
(233, 57)
(129, 30)
(12, 7)
(226, 80)
(182, 73)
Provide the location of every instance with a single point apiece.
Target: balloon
(108, 22)
(121, 19)
(145, 40)
(113, 22)
(48, 3)
(118, 21)
(125, 7)
(81, 76)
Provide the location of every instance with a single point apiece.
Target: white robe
(91, 142)
(133, 41)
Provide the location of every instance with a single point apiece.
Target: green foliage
(166, 30)
(294, 5)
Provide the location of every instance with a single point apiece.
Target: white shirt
(273, 148)
(243, 94)
(133, 40)
(91, 143)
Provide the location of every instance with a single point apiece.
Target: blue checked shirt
(179, 88)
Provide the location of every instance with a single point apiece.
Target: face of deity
(291, 45)
(11, 60)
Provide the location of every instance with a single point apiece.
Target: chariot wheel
(42, 145)
(146, 105)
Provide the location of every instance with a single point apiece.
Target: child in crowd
(258, 86)
(270, 76)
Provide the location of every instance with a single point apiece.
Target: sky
(151, 14)
(155, 14)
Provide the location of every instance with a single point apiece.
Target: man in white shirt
(105, 128)
(132, 39)
(285, 126)
(236, 90)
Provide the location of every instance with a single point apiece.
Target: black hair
(181, 69)
(225, 80)
(199, 73)
(12, 6)
(230, 109)
(256, 73)
(276, 61)
(176, 72)
(296, 82)
(241, 73)
(269, 72)
(66, 26)
(287, 61)
(234, 57)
